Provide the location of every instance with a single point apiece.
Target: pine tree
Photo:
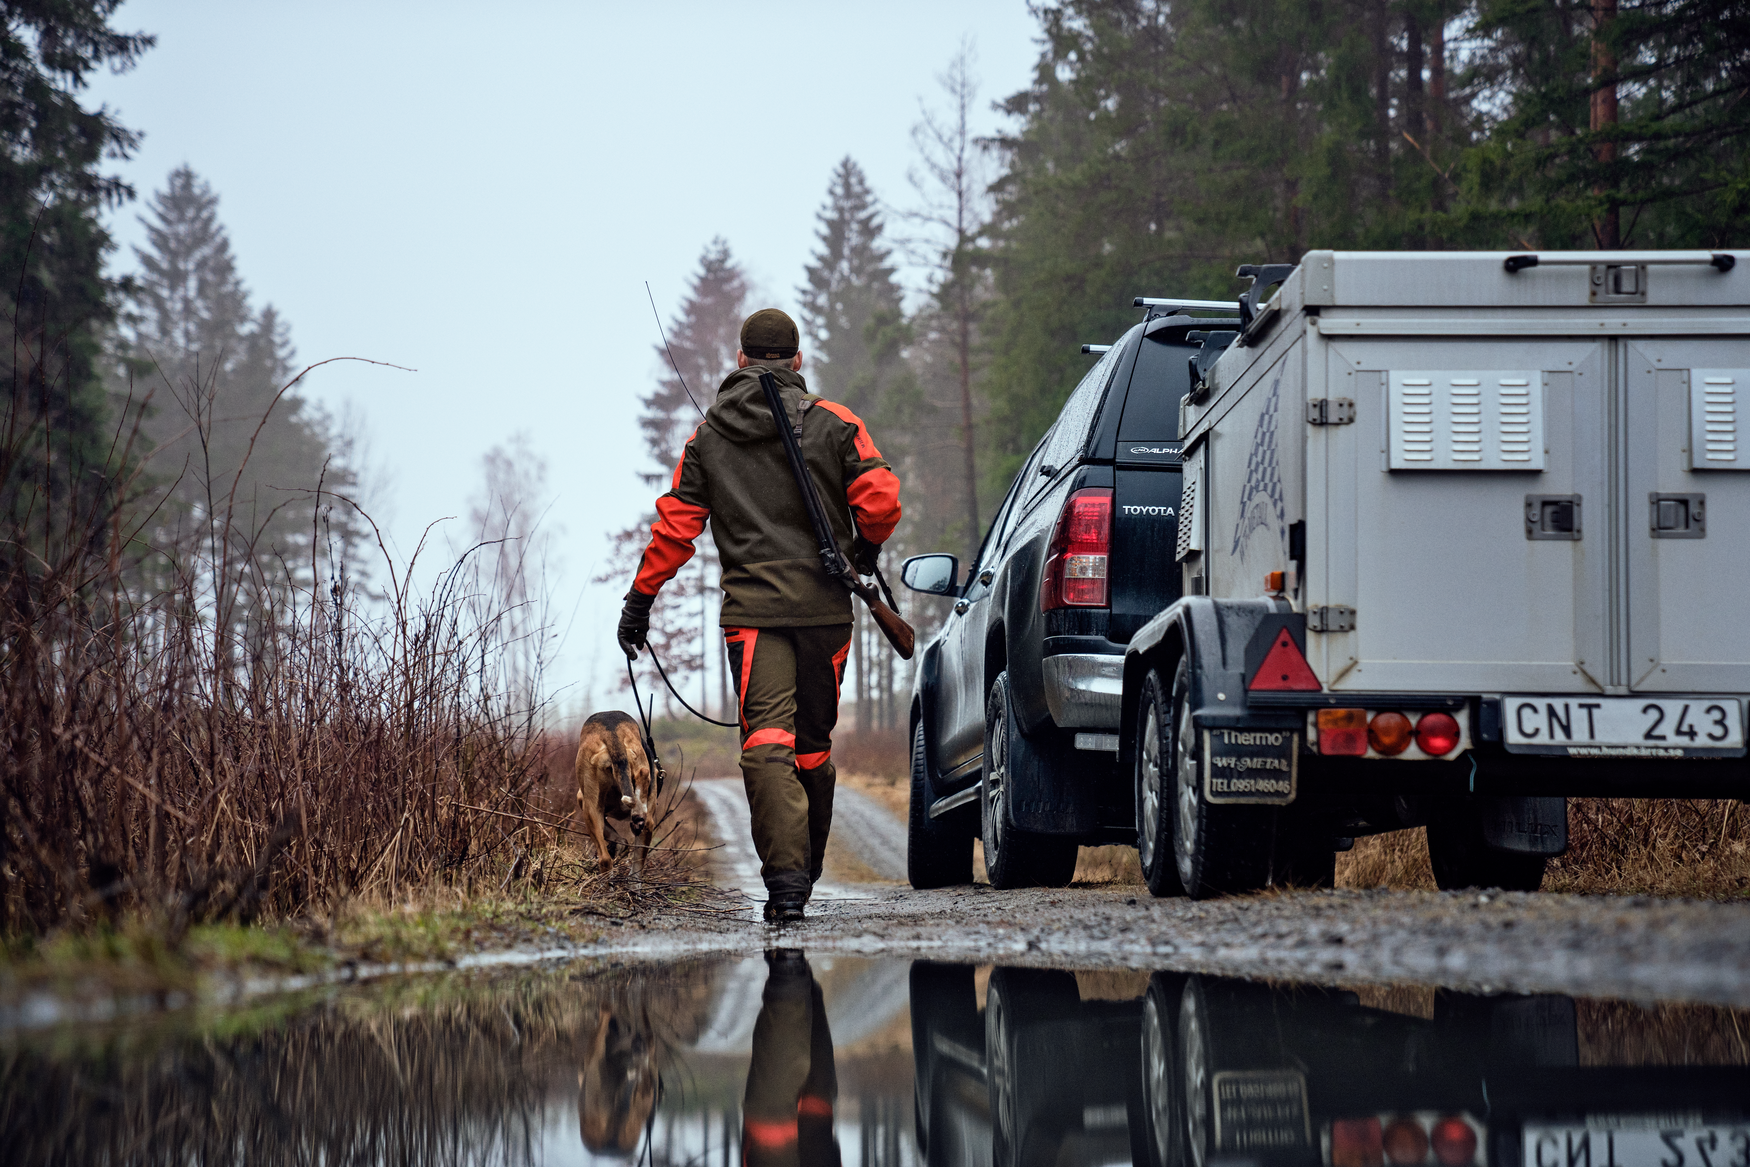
(222, 366)
(849, 291)
(238, 460)
(702, 338)
(57, 457)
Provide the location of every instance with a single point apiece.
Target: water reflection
(782, 1060)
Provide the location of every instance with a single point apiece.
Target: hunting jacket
(734, 472)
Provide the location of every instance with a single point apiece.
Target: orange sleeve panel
(874, 499)
(872, 487)
(679, 521)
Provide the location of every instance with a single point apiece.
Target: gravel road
(1613, 946)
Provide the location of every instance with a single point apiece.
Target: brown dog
(614, 781)
(617, 1084)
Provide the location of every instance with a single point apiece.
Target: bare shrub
(193, 725)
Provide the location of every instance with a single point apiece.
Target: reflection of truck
(1209, 1072)
(1305, 1077)
(1038, 1076)
(1463, 534)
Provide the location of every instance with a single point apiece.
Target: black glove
(865, 555)
(635, 622)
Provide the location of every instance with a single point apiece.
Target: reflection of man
(791, 1084)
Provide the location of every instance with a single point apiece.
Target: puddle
(783, 1061)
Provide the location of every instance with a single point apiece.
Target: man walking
(786, 622)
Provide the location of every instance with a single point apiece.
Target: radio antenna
(669, 351)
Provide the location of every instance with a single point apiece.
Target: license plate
(1624, 727)
(1636, 1145)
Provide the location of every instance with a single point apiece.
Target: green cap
(769, 335)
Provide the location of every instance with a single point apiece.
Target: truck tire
(1017, 998)
(1155, 789)
(1013, 857)
(938, 852)
(1462, 859)
(1218, 848)
(1163, 1098)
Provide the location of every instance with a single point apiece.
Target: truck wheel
(1163, 1100)
(1218, 848)
(938, 852)
(1018, 997)
(1155, 789)
(1013, 857)
(1461, 858)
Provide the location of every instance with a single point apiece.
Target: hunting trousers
(787, 685)
(792, 1085)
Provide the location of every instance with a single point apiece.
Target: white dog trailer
(1462, 534)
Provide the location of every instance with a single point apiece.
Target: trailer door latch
(1331, 618)
(1330, 411)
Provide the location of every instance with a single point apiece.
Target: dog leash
(644, 721)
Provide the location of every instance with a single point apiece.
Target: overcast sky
(479, 192)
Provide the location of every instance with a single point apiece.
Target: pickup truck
(1462, 535)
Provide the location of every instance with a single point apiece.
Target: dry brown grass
(194, 726)
(1625, 846)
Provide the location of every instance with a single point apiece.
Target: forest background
(206, 634)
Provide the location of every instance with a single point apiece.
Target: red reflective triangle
(1284, 668)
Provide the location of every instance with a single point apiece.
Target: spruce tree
(237, 459)
(849, 292)
(702, 339)
(58, 468)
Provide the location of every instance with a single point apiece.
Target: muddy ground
(1633, 947)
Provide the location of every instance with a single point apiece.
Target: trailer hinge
(1335, 618)
(1330, 411)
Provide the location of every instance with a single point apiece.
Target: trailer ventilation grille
(1472, 420)
(1713, 419)
(1187, 518)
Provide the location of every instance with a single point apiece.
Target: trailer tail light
(1406, 1144)
(1355, 1142)
(1437, 734)
(1343, 732)
(1389, 733)
(1284, 668)
(1423, 1138)
(1080, 550)
(1454, 1142)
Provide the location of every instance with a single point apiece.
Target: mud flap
(1246, 765)
(1528, 826)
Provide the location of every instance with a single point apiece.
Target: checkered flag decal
(1263, 477)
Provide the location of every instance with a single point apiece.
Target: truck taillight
(1081, 547)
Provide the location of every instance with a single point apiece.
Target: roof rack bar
(1096, 348)
(1207, 305)
(1722, 260)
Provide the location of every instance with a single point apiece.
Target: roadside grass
(1695, 848)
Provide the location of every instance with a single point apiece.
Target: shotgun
(899, 634)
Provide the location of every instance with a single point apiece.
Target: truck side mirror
(934, 575)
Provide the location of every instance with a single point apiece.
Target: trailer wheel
(1163, 1100)
(1462, 859)
(1218, 848)
(1013, 857)
(1155, 789)
(938, 852)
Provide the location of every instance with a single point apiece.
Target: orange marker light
(1405, 1143)
(1389, 733)
(1343, 732)
(1274, 581)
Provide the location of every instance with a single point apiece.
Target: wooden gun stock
(899, 634)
